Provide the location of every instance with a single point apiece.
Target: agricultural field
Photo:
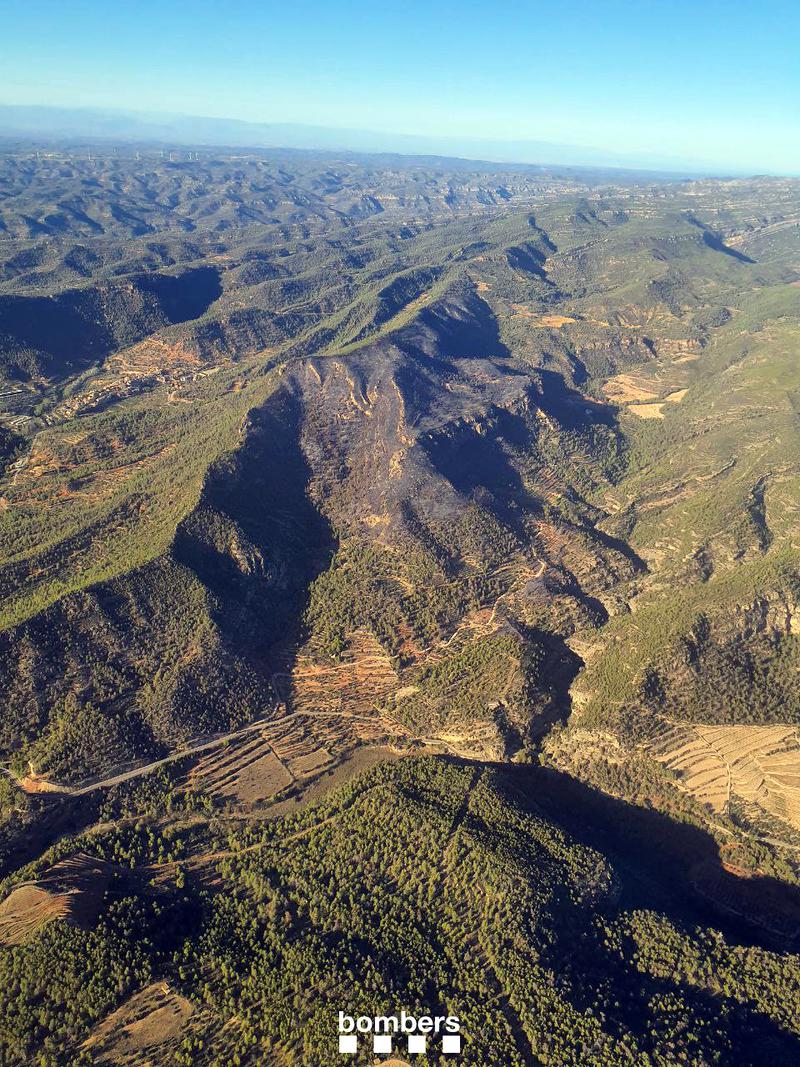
(757, 764)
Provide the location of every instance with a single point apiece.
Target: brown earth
(153, 357)
(72, 890)
(146, 1021)
(647, 411)
(357, 684)
(541, 322)
(758, 764)
(624, 388)
(352, 763)
(294, 749)
(245, 770)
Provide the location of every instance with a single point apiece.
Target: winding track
(200, 744)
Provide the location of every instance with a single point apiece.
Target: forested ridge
(423, 885)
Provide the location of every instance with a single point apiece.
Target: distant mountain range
(52, 122)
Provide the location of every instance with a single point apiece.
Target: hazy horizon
(42, 123)
(707, 88)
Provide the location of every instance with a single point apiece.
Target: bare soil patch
(541, 322)
(245, 770)
(627, 388)
(647, 411)
(72, 890)
(356, 685)
(154, 356)
(148, 1020)
(352, 763)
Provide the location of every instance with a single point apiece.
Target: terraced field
(290, 750)
(758, 764)
(355, 686)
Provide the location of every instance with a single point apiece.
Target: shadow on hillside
(463, 326)
(255, 540)
(569, 406)
(61, 334)
(664, 865)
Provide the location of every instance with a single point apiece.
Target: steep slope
(61, 335)
(425, 451)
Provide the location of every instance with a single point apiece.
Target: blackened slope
(461, 324)
(434, 460)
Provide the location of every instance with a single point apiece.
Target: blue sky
(714, 82)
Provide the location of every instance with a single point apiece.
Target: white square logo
(451, 1043)
(348, 1043)
(382, 1043)
(416, 1043)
